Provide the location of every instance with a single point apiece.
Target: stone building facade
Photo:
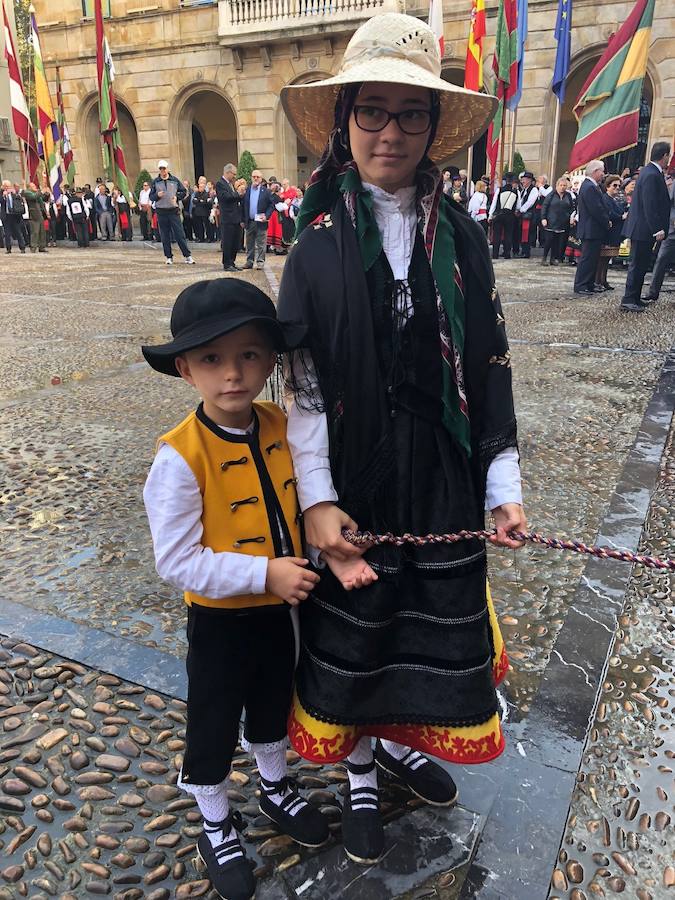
(198, 81)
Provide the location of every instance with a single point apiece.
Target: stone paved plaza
(92, 718)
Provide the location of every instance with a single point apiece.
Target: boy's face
(229, 373)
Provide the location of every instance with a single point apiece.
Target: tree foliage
(143, 176)
(246, 165)
(518, 164)
(23, 49)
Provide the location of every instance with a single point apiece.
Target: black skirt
(415, 646)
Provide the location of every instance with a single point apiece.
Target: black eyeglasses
(410, 121)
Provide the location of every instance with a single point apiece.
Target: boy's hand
(352, 573)
(288, 578)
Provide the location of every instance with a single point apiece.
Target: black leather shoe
(228, 867)
(426, 779)
(607, 286)
(230, 269)
(294, 816)
(647, 301)
(584, 291)
(598, 289)
(248, 266)
(362, 829)
(633, 307)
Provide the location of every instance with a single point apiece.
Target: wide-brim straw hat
(391, 49)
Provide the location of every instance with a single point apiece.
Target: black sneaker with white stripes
(294, 816)
(362, 828)
(228, 867)
(426, 779)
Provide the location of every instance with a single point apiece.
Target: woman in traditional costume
(402, 420)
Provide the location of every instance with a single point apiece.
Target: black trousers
(145, 225)
(588, 264)
(187, 226)
(82, 233)
(664, 261)
(235, 661)
(502, 233)
(14, 230)
(554, 243)
(230, 241)
(640, 261)
(198, 223)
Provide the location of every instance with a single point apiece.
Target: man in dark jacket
(166, 192)
(592, 227)
(11, 211)
(666, 258)
(257, 207)
(647, 223)
(229, 204)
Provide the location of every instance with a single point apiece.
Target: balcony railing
(248, 17)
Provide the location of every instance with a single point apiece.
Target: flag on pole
(20, 115)
(521, 37)
(48, 129)
(113, 152)
(505, 67)
(436, 22)
(473, 70)
(563, 35)
(608, 106)
(66, 148)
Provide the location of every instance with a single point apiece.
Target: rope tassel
(367, 538)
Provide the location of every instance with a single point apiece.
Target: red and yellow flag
(608, 106)
(473, 71)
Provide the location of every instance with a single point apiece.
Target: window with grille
(88, 8)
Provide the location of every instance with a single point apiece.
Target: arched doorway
(93, 143)
(634, 156)
(455, 75)
(295, 161)
(205, 131)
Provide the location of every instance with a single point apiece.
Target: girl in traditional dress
(402, 421)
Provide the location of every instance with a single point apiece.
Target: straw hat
(395, 49)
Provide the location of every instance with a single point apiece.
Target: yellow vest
(246, 482)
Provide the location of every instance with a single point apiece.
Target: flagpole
(469, 166)
(22, 158)
(514, 122)
(554, 149)
(501, 147)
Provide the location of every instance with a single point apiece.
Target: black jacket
(615, 211)
(650, 206)
(593, 219)
(265, 205)
(556, 211)
(200, 205)
(229, 202)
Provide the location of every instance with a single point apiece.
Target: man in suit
(229, 203)
(104, 213)
(257, 207)
(592, 227)
(11, 211)
(647, 223)
(666, 258)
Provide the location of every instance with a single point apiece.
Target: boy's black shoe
(294, 816)
(227, 865)
(426, 779)
(362, 829)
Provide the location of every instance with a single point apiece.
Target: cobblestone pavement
(80, 414)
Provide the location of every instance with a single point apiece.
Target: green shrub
(518, 164)
(143, 176)
(246, 165)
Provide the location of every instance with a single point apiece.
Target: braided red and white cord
(359, 538)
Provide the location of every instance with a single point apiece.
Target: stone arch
(207, 110)
(295, 161)
(91, 147)
(453, 72)
(580, 68)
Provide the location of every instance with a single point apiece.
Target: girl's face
(389, 158)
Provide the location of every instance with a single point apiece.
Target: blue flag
(563, 35)
(521, 37)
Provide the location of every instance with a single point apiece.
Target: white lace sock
(409, 757)
(362, 754)
(272, 765)
(214, 807)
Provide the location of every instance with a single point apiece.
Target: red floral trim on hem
(501, 667)
(446, 745)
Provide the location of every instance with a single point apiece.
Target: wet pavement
(594, 396)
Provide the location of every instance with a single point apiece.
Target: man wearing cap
(166, 192)
(528, 196)
(502, 215)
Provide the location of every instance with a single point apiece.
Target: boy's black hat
(207, 310)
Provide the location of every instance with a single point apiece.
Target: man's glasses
(410, 121)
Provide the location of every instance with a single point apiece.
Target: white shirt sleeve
(503, 480)
(532, 196)
(173, 503)
(493, 205)
(307, 434)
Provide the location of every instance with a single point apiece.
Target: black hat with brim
(207, 310)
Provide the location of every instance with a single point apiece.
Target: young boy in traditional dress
(223, 513)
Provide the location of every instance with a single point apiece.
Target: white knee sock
(400, 751)
(272, 765)
(214, 807)
(360, 755)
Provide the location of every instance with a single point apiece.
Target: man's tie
(10, 202)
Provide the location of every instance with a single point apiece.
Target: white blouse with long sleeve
(396, 218)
